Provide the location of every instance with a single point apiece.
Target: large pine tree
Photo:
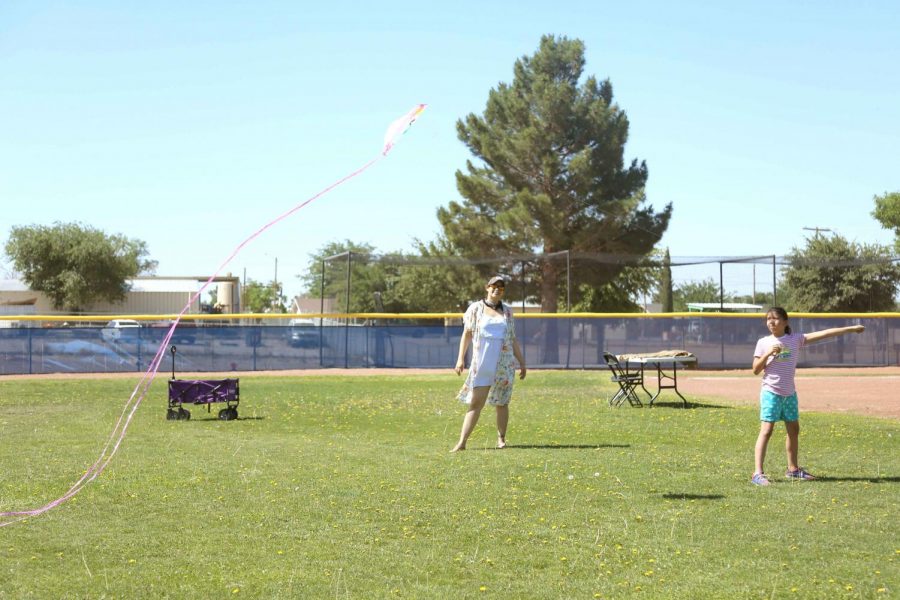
(551, 176)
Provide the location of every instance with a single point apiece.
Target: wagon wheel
(171, 414)
(233, 412)
(184, 414)
(225, 414)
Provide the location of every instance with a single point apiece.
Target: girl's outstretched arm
(816, 336)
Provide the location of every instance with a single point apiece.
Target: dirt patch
(872, 391)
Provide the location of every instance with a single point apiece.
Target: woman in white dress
(489, 324)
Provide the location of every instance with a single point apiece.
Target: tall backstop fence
(39, 345)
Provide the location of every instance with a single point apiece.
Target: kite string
(140, 391)
(100, 464)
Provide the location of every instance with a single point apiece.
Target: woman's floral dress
(501, 390)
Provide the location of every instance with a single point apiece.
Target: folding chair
(627, 381)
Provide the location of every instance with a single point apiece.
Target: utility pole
(817, 230)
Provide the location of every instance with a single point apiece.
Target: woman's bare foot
(458, 448)
(501, 443)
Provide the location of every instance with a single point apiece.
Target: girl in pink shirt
(776, 356)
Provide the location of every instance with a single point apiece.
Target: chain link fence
(560, 341)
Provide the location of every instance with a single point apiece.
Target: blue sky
(190, 124)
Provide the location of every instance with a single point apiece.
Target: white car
(119, 329)
(303, 333)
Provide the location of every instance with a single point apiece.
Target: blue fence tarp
(574, 343)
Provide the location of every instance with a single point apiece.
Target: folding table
(664, 381)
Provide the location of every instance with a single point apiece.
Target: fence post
(568, 307)
(347, 321)
(30, 353)
(321, 318)
(774, 283)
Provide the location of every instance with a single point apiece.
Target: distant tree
(76, 265)
(261, 297)
(832, 274)
(437, 280)
(434, 280)
(213, 305)
(552, 176)
(634, 282)
(763, 299)
(887, 212)
(367, 276)
(706, 290)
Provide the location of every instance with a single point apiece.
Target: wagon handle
(172, 350)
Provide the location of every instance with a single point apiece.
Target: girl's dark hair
(782, 314)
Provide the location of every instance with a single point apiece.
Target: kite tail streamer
(117, 435)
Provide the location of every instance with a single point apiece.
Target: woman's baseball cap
(497, 279)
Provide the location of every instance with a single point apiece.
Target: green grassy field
(343, 487)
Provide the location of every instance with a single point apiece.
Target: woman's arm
(816, 336)
(517, 352)
(463, 346)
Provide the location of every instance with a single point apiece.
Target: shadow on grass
(680, 496)
(866, 479)
(689, 405)
(215, 419)
(561, 446)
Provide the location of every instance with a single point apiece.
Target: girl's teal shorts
(773, 407)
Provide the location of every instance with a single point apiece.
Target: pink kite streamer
(394, 131)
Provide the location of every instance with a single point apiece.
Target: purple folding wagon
(202, 391)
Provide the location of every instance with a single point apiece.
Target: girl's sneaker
(759, 479)
(799, 474)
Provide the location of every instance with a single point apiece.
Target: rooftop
(725, 306)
